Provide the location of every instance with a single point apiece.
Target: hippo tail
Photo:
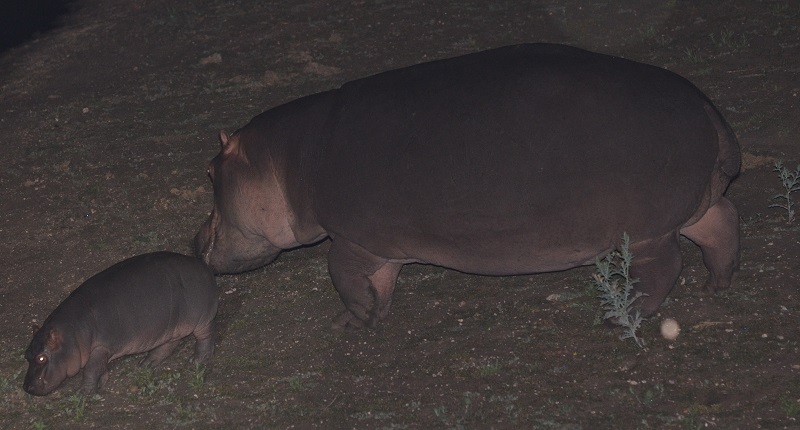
(729, 157)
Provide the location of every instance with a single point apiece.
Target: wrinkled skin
(523, 159)
(146, 303)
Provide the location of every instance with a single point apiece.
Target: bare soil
(108, 122)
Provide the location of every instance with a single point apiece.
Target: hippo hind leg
(717, 235)
(657, 264)
(204, 343)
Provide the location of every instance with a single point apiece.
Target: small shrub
(649, 396)
(509, 405)
(75, 406)
(726, 39)
(490, 369)
(296, 383)
(455, 421)
(39, 424)
(791, 407)
(147, 382)
(198, 378)
(9, 384)
(693, 56)
(615, 284)
(301, 381)
(791, 183)
(183, 415)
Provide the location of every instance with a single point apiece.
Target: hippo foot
(347, 321)
(713, 285)
(717, 234)
(201, 356)
(91, 387)
(156, 356)
(204, 344)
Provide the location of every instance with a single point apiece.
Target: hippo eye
(41, 359)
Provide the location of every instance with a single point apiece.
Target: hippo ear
(54, 340)
(223, 138)
(226, 143)
(229, 144)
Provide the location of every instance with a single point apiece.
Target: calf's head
(51, 359)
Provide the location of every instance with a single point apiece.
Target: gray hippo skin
(523, 159)
(145, 303)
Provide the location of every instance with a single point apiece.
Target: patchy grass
(729, 41)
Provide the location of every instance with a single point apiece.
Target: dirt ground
(109, 120)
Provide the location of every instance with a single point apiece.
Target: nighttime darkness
(441, 246)
(22, 20)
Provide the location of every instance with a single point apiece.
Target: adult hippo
(522, 159)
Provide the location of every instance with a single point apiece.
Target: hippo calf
(516, 160)
(145, 303)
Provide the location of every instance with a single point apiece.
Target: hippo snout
(226, 250)
(42, 380)
(35, 387)
(31, 385)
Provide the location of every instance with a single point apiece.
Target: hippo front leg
(95, 373)
(159, 354)
(365, 284)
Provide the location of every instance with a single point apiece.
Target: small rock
(670, 329)
(215, 58)
(555, 297)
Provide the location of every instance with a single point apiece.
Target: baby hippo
(145, 303)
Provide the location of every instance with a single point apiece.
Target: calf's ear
(55, 339)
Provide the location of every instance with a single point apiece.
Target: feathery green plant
(791, 183)
(615, 284)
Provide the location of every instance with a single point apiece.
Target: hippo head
(250, 223)
(51, 360)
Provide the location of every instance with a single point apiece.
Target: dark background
(21, 20)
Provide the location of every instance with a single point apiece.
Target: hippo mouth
(244, 265)
(235, 264)
(206, 238)
(37, 386)
(231, 256)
